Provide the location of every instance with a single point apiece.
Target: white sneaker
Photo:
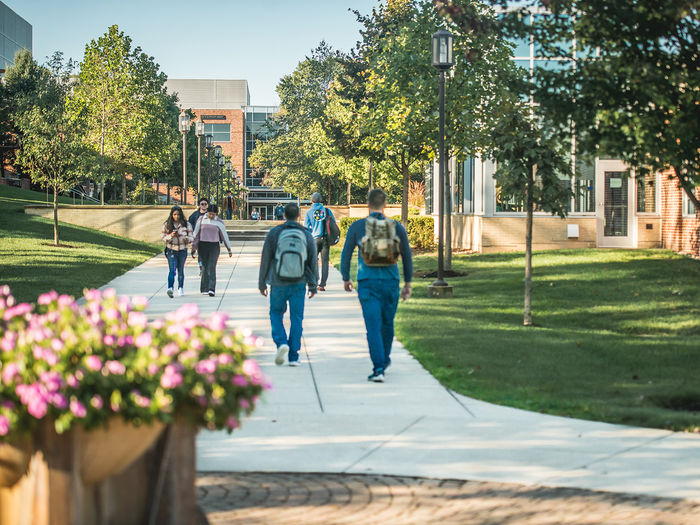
(211, 293)
(180, 292)
(170, 292)
(281, 354)
(294, 363)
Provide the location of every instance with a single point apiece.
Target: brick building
(680, 221)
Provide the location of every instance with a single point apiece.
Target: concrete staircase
(249, 230)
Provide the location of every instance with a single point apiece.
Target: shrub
(420, 230)
(82, 364)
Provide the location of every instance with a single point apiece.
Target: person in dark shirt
(377, 286)
(194, 217)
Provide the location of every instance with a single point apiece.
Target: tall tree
(121, 97)
(401, 117)
(52, 150)
(635, 88)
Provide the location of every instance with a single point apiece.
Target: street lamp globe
(228, 165)
(222, 161)
(184, 122)
(217, 152)
(208, 139)
(199, 129)
(442, 49)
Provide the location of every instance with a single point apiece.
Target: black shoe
(376, 377)
(211, 293)
(321, 288)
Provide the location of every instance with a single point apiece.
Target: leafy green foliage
(421, 230)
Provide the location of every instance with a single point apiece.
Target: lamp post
(208, 143)
(228, 172)
(199, 131)
(235, 195)
(442, 61)
(184, 128)
(218, 155)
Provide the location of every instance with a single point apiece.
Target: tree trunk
(688, 188)
(527, 313)
(371, 163)
(158, 191)
(404, 192)
(349, 191)
(124, 189)
(55, 217)
(329, 191)
(168, 193)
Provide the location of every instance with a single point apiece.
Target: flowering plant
(84, 363)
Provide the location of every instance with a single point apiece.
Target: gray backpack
(290, 256)
(380, 245)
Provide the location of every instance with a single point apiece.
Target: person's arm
(224, 237)
(265, 262)
(346, 255)
(407, 260)
(307, 220)
(165, 234)
(311, 267)
(195, 236)
(189, 235)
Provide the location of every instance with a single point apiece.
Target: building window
(220, 132)
(584, 187)
(688, 206)
(429, 184)
(646, 193)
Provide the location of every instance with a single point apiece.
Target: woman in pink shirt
(208, 234)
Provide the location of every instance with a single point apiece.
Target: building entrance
(614, 210)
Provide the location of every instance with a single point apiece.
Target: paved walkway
(324, 417)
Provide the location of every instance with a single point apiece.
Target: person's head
(316, 197)
(176, 217)
(228, 192)
(376, 199)
(291, 211)
(212, 211)
(203, 204)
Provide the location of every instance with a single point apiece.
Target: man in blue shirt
(286, 292)
(315, 221)
(377, 286)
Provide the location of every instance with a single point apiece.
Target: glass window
(646, 193)
(565, 47)
(584, 198)
(429, 172)
(552, 65)
(689, 208)
(220, 132)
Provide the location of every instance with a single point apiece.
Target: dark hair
(291, 211)
(213, 208)
(376, 198)
(170, 223)
(203, 199)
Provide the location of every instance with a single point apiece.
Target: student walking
(380, 242)
(315, 221)
(208, 234)
(229, 205)
(177, 234)
(194, 217)
(288, 265)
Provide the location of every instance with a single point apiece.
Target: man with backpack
(380, 241)
(288, 264)
(317, 220)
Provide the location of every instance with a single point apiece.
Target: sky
(256, 40)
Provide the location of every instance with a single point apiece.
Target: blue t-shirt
(315, 217)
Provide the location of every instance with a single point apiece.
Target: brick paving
(287, 498)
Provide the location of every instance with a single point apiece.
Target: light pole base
(440, 290)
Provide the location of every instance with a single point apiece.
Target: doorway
(615, 210)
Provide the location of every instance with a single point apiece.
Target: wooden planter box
(119, 475)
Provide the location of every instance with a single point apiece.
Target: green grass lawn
(617, 335)
(31, 264)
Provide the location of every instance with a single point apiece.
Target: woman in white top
(208, 234)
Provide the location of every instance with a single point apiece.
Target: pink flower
(159, 324)
(115, 367)
(239, 380)
(109, 340)
(187, 356)
(171, 349)
(138, 319)
(9, 372)
(196, 344)
(93, 295)
(17, 311)
(139, 301)
(59, 401)
(140, 400)
(205, 366)
(112, 314)
(171, 378)
(232, 423)
(47, 298)
(4, 426)
(251, 368)
(227, 341)
(153, 369)
(65, 300)
(93, 362)
(37, 407)
(96, 402)
(8, 342)
(218, 321)
(109, 293)
(72, 381)
(77, 408)
(244, 403)
(225, 359)
(57, 345)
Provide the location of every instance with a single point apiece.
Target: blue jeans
(379, 299)
(279, 297)
(176, 264)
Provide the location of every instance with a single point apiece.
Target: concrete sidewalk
(325, 417)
